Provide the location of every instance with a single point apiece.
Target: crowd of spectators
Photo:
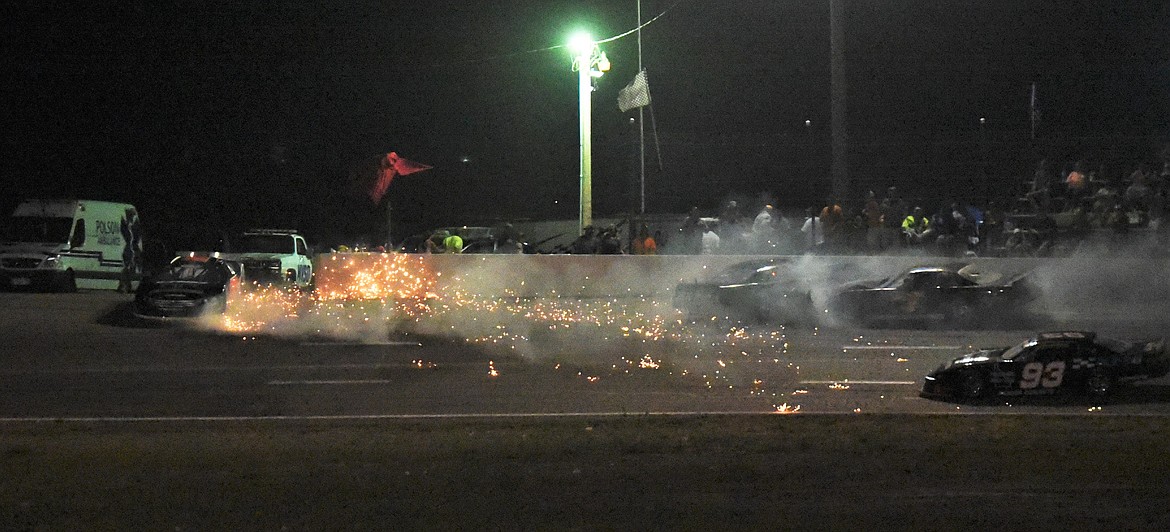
(1052, 212)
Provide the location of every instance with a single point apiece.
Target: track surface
(76, 356)
(107, 424)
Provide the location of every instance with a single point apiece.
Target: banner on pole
(392, 166)
(636, 94)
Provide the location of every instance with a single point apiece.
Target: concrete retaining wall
(1105, 283)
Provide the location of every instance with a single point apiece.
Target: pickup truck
(277, 256)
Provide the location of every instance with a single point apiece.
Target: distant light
(982, 120)
(465, 159)
(807, 123)
(581, 43)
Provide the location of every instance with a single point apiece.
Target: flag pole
(1032, 110)
(389, 225)
(641, 124)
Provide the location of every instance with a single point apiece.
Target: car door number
(1037, 374)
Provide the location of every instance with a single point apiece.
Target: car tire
(972, 385)
(962, 316)
(1100, 383)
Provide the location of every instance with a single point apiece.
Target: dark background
(214, 116)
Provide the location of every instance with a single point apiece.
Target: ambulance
(63, 245)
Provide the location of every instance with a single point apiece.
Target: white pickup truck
(273, 256)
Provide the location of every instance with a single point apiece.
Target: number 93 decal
(1037, 374)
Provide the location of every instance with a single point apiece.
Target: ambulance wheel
(67, 282)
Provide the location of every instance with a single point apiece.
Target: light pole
(589, 62)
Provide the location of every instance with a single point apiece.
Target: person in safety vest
(916, 227)
(452, 243)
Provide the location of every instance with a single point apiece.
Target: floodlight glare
(581, 44)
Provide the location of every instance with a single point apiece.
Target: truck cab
(275, 256)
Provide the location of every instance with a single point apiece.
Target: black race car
(1049, 364)
(959, 295)
(762, 291)
(190, 286)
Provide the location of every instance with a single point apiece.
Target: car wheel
(1100, 383)
(972, 385)
(962, 315)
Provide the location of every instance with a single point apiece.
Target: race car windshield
(194, 271)
(894, 282)
(1113, 344)
(1014, 351)
(739, 273)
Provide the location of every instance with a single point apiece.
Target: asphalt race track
(481, 423)
(76, 356)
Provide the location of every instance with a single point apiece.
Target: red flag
(392, 166)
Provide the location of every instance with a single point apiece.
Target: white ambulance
(63, 245)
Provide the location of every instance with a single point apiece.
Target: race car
(760, 291)
(1051, 363)
(957, 295)
(192, 285)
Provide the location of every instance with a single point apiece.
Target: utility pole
(840, 165)
(641, 126)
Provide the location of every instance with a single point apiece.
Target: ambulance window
(78, 239)
(301, 247)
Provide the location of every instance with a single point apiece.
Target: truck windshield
(263, 244)
(38, 229)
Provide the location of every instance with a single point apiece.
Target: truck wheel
(67, 282)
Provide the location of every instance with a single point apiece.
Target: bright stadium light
(589, 62)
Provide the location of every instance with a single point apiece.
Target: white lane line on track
(850, 381)
(154, 369)
(317, 382)
(409, 344)
(899, 347)
(535, 415)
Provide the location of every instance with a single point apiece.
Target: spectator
(855, 232)
(730, 214)
(692, 233)
(893, 212)
(964, 227)
(993, 225)
(1137, 194)
(765, 229)
(873, 223)
(452, 243)
(832, 223)
(732, 230)
(609, 243)
(1040, 194)
(915, 227)
(587, 243)
(507, 240)
(710, 240)
(1076, 182)
(436, 242)
(644, 244)
(945, 230)
(813, 231)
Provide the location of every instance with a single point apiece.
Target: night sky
(216, 116)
